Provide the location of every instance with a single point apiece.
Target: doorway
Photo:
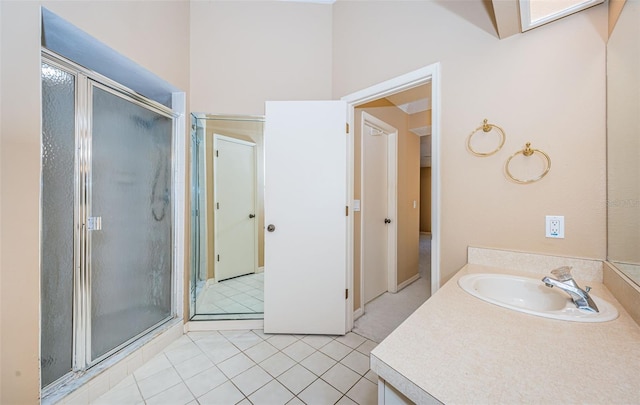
(370, 97)
(379, 144)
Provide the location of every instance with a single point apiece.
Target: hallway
(388, 311)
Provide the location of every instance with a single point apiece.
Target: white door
(375, 212)
(235, 225)
(305, 202)
(378, 210)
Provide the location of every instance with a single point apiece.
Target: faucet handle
(562, 273)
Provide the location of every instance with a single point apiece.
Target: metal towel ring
(528, 151)
(486, 127)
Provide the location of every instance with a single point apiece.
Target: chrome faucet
(566, 283)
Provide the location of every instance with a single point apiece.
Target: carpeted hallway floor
(385, 313)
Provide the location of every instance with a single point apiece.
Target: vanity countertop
(459, 349)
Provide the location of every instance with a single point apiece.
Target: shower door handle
(94, 223)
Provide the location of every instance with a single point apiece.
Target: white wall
(546, 86)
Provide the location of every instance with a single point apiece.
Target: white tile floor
(249, 367)
(240, 295)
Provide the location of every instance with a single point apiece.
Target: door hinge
(346, 294)
(216, 153)
(347, 127)
(217, 205)
(346, 211)
(218, 258)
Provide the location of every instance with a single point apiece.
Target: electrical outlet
(554, 226)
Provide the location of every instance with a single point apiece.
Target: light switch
(356, 205)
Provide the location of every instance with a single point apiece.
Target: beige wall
(153, 34)
(546, 86)
(623, 124)
(615, 8)
(408, 190)
(1, 227)
(247, 52)
(420, 119)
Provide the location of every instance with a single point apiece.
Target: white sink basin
(531, 296)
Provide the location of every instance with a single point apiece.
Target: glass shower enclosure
(107, 217)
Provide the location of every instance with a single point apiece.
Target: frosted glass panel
(131, 192)
(58, 146)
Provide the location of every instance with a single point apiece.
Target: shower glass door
(57, 236)
(131, 215)
(107, 218)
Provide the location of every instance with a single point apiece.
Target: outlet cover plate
(554, 226)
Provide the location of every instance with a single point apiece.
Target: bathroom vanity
(457, 348)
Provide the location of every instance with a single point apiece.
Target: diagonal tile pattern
(240, 295)
(250, 367)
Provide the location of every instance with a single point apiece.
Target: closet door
(236, 230)
(129, 220)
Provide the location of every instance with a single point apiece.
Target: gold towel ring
(528, 151)
(486, 127)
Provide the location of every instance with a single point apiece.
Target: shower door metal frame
(194, 272)
(87, 196)
(86, 81)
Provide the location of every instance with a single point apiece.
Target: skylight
(534, 13)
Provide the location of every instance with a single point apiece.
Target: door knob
(271, 228)
(251, 216)
(387, 221)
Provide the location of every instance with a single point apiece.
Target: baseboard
(407, 282)
(211, 281)
(358, 313)
(260, 270)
